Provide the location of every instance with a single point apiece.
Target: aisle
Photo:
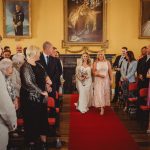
(91, 131)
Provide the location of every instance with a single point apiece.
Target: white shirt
(121, 60)
(148, 57)
(45, 57)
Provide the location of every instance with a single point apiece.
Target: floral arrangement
(83, 75)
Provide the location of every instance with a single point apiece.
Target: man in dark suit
(117, 65)
(142, 69)
(50, 64)
(59, 66)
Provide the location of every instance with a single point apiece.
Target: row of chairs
(136, 103)
(54, 107)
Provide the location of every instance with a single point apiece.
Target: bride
(84, 82)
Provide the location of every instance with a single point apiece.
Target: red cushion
(51, 121)
(143, 92)
(143, 107)
(20, 122)
(57, 110)
(51, 102)
(133, 99)
(132, 86)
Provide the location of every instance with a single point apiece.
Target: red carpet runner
(91, 131)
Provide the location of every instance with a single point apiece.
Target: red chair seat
(133, 99)
(20, 122)
(132, 86)
(51, 121)
(143, 107)
(57, 110)
(51, 102)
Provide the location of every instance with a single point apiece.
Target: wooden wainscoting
(69, 65)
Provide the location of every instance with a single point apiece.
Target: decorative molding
(86, 49)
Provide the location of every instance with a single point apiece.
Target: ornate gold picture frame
(144, 19)
(85, 23)
(17, 18)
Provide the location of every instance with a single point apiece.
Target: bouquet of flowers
(83, 76)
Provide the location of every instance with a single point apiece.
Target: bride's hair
(89, 60)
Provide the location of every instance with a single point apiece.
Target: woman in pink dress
(102, 81)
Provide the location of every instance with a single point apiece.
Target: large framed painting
(84, 22)
(17, 18)
(144, 19)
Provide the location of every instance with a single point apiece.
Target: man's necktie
(47, 60)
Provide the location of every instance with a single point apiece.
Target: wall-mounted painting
(17, 18)
(144, 19)
(84, 22)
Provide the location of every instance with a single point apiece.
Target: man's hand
(117, 69)
(140, 77)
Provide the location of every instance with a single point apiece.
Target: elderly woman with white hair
(32, 95)
(8, 120)
(18, 60)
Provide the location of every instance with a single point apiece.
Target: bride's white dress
(84, 89)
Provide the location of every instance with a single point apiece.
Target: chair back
(132, 86)
(143, 92)
(51, 102)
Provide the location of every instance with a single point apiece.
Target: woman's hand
(86, 77)
(48, 88)
(44, 93)
(97, 74)
(81, 78)
(48, 81)
(117, 69)
(16, 103)
(140, 77)
(125, 79)
(102, 76)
